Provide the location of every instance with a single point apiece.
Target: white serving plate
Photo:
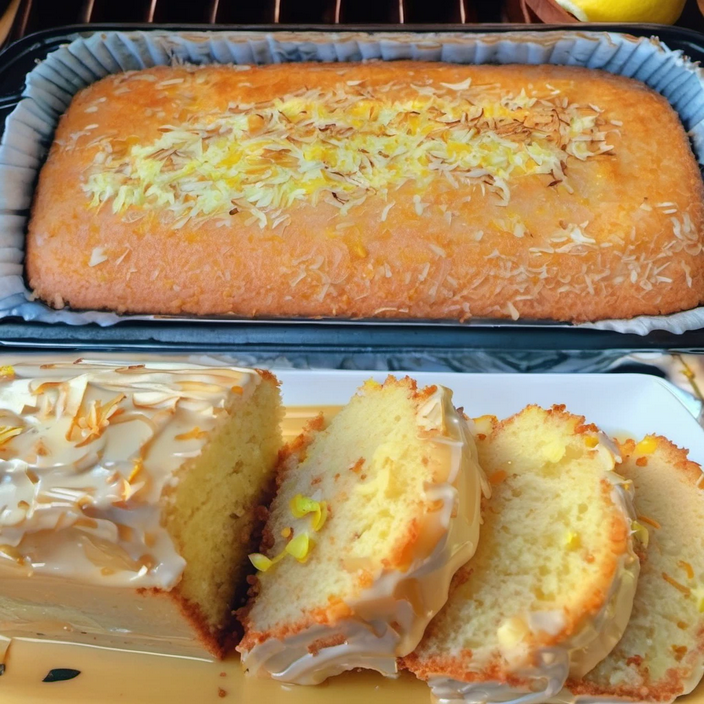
(627, 405)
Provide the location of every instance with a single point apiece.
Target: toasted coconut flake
(340, 146)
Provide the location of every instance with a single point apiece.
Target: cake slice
(372, 517)
(129, 496)
(550, 588)
(661, 654)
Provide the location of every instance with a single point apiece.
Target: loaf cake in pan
(129, 499)
(381, 190)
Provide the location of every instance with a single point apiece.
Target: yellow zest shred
(646, 446)
(261, 562)
(7, 432)
(300, 547)
(7, 371)
(340, 145)
(641, 532)
(573, 541)
(320, 517)
(136, 470)
(303, 505)
(697, 594)
(591, 441)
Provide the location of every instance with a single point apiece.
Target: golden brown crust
(637, 204)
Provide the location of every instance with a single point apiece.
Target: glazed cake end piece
(130, 497)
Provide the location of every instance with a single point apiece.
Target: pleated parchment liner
(53, 83)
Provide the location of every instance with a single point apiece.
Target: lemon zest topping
(7, 370)
(340, 145)
(646, 446)
(300, 547)
(698, 595)
(261, 562)
(591, 441)
(136, 470)
(320, 516)
(573, 540)
(303, 505)
(641, 532)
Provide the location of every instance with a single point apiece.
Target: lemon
(658, 11)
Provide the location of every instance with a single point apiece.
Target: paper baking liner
(53, 83)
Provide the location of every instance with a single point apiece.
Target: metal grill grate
(35, 15)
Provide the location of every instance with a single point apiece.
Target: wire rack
(35, 15)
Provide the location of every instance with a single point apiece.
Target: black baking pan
(385, 338)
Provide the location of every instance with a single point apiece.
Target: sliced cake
(372, 517)
(661, 654)
(550, 588)
(129, 496)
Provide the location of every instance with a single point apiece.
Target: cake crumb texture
(554, 543)
(661, 655)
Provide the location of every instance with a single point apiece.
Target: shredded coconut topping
(340, 146)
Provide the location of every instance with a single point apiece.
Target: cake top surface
(341, 142)
(88, 455)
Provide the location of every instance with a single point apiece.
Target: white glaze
(81, 497)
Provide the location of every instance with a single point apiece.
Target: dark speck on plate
(60, 674)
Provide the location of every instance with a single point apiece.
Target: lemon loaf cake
(661, 655)
(372, 517)
(128, 499)
(550, 588)
(389, 189)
